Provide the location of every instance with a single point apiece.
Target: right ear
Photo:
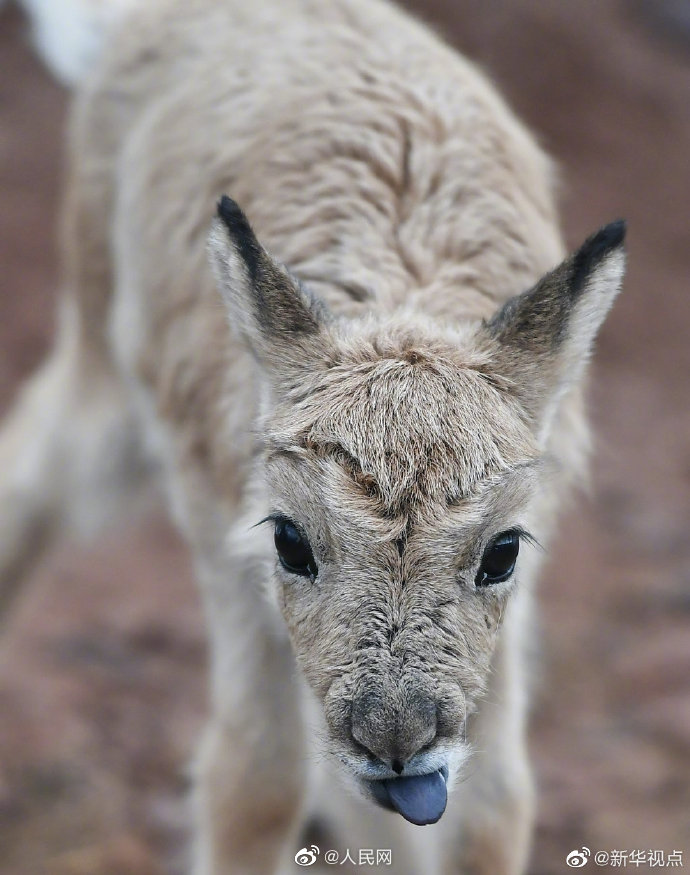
(282, 323)
(543, 338)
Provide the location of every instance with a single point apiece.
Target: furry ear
(281, 322)
(544, 337)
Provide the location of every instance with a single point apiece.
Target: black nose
(393, 732)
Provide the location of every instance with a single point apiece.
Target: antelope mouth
(420, 799)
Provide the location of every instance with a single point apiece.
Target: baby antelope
(361, 392)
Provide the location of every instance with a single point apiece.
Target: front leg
(490, 828)
(249, 781)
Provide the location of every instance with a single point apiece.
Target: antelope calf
(362, 393)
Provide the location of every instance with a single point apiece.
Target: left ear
(543, 338)
(281, 322)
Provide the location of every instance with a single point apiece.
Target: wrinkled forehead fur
(416, 421)
(418, 414)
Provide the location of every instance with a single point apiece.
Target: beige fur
(374, 392)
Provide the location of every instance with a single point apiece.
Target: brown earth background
(102, 686)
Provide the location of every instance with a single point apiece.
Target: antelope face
(402, 461)
(400, 494)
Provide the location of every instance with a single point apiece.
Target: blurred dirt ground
(102, 685)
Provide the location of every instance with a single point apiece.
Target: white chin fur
(457, 760)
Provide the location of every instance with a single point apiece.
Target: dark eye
(498, 561)
(293, 549)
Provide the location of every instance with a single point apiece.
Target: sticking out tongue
(421, 799)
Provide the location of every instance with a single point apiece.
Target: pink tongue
(421, 799)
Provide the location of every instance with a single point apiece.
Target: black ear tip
(227, 206)
(240, 232)
(604, 240)
(613, 234)
(231, 214)
(594, 250)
